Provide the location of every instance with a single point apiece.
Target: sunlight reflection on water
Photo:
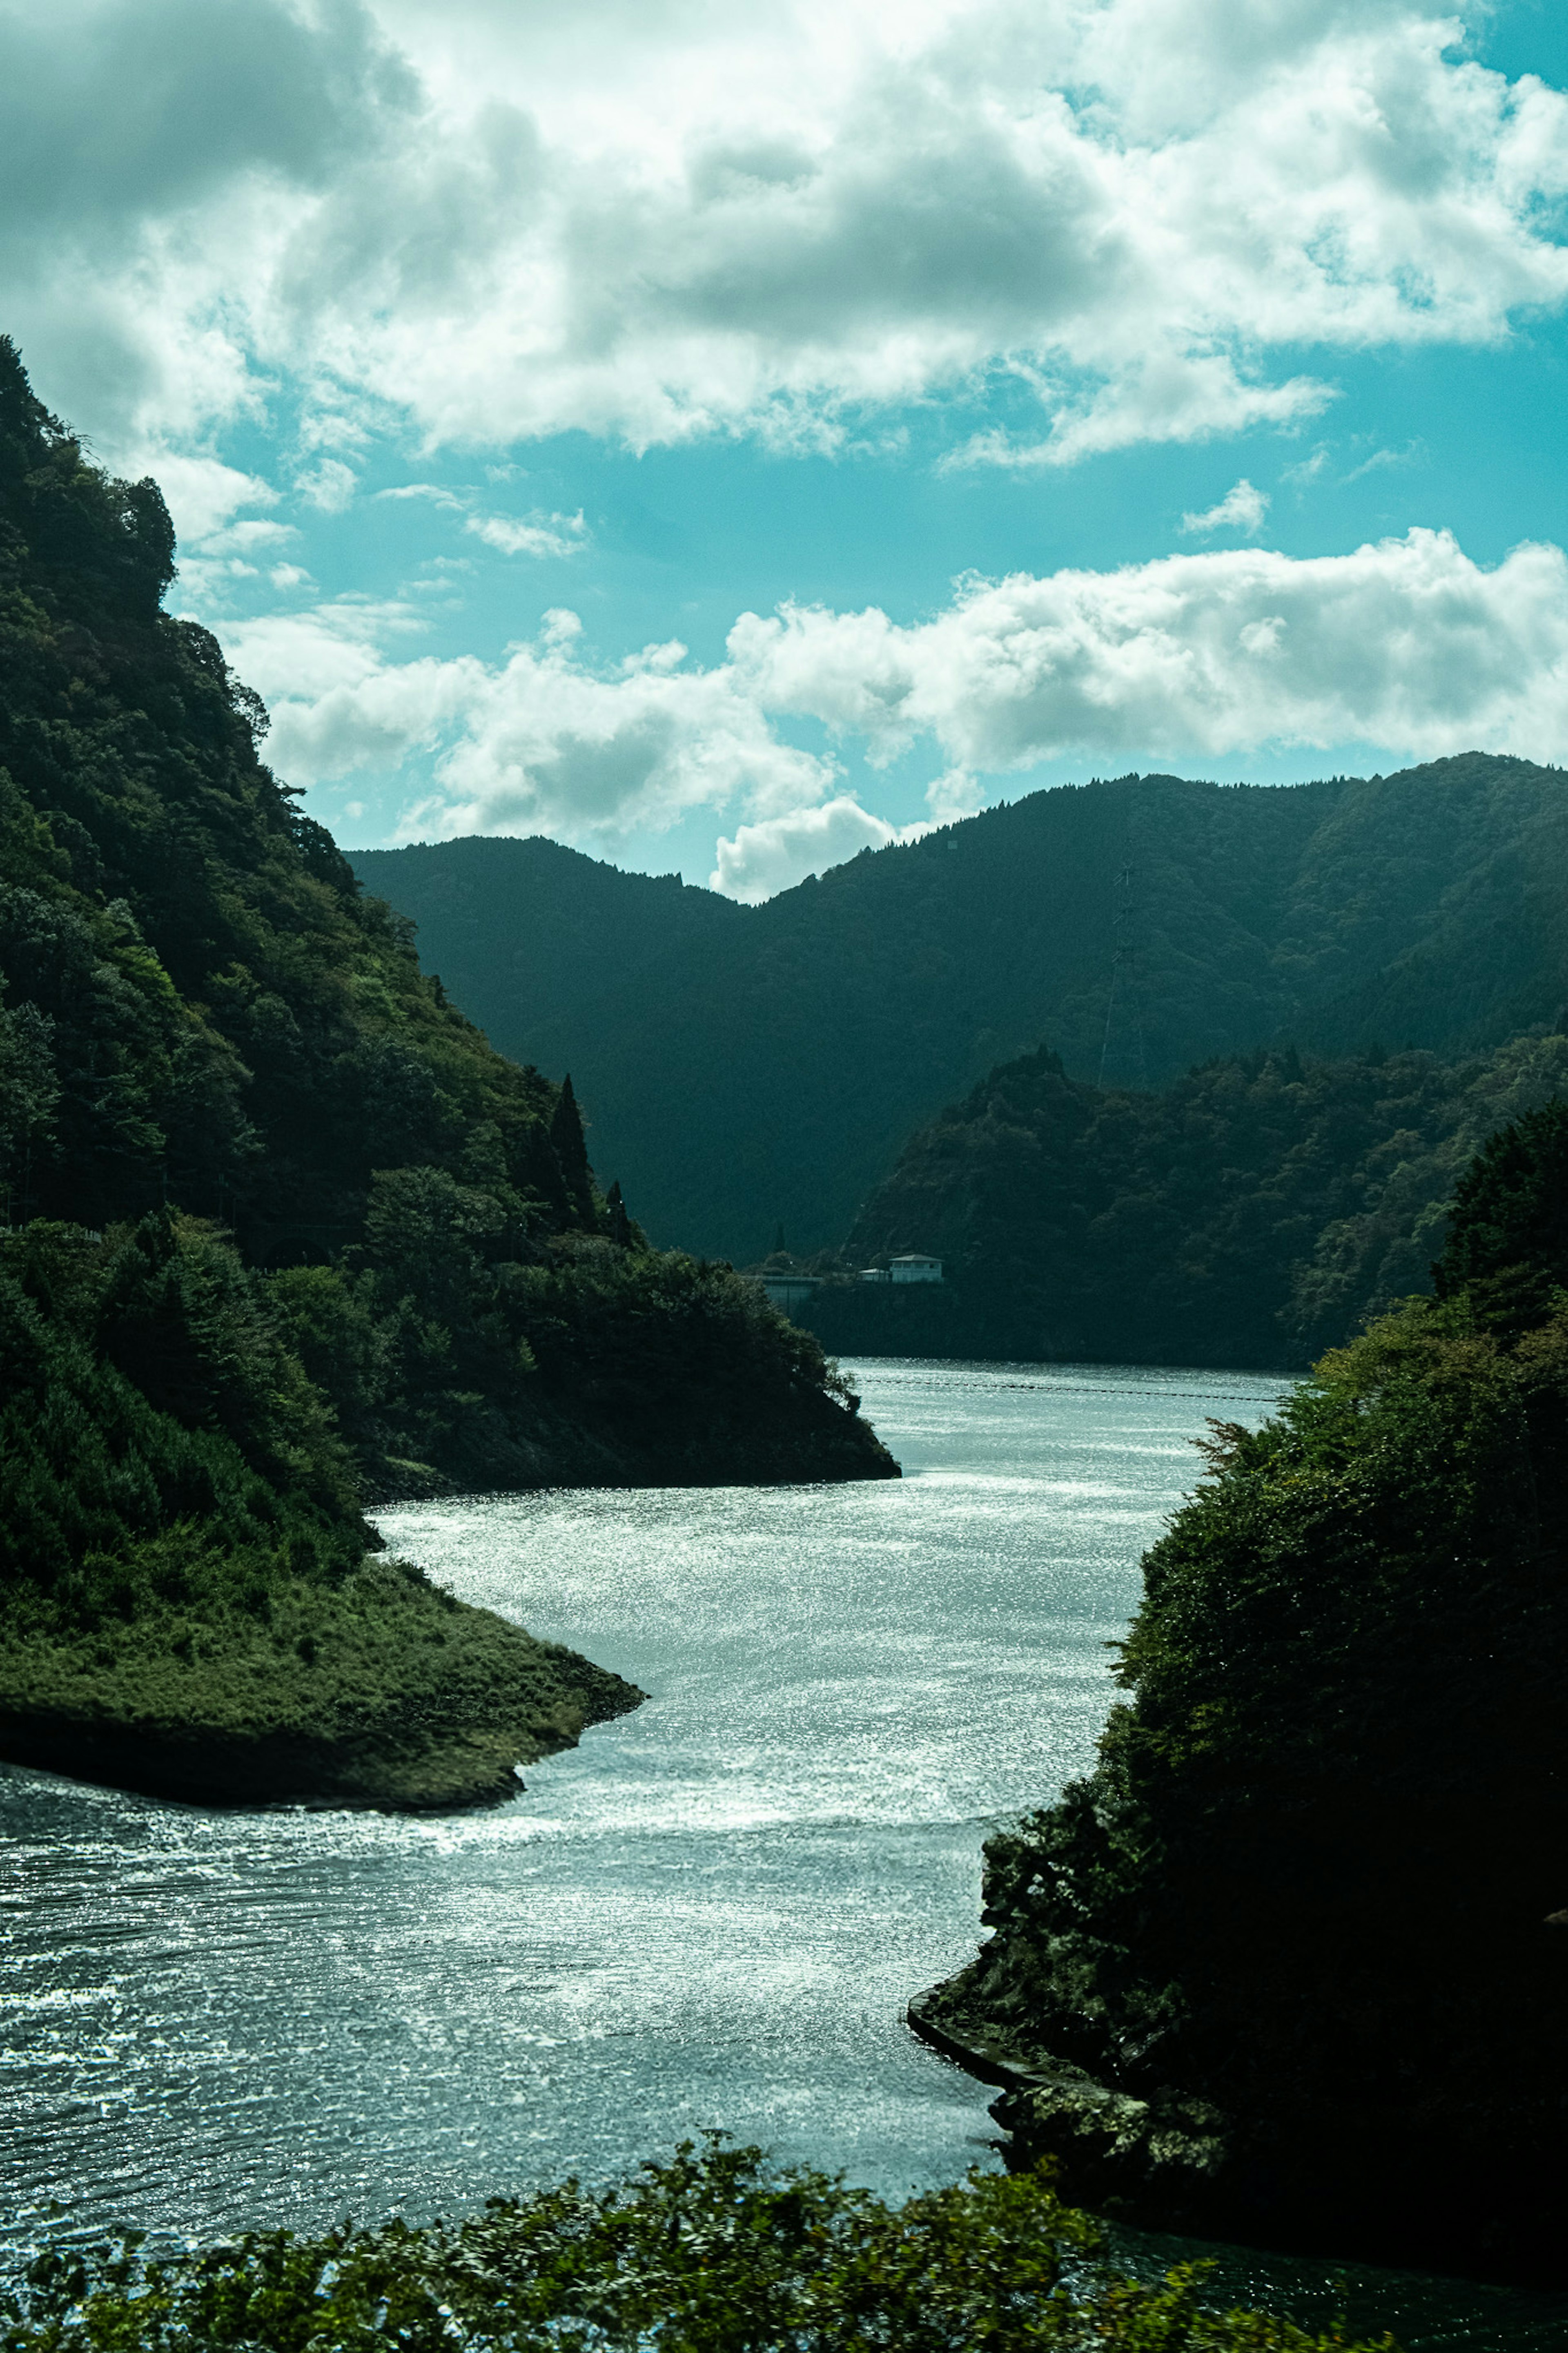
(712, 1913)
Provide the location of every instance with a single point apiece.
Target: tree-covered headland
(1292, 1962)
(1255, 1211)
(285, 1236)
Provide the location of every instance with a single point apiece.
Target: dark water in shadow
(710, 1913)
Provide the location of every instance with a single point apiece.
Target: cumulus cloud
(667, 222)
(541, 742)
(1405, 643)
(782, 850)
(1242, 508)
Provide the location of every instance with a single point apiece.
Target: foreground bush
(715, 2252)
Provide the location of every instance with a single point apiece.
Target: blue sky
(720, 442)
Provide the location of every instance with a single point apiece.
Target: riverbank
(383, 1692)
(1162, 2163)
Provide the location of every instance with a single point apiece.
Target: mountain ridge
(811, 1035)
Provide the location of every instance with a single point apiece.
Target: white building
(913, 1267)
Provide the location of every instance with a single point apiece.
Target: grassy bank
(381, 1690)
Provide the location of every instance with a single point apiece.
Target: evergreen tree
(1511, 1209)
(620, 1220)
(571, 1148)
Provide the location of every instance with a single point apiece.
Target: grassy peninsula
(285, 1236)
(1292, 1963)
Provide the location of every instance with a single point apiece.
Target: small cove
(712, 1913)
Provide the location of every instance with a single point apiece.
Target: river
(712, 1913)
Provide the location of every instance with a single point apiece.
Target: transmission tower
(1122, 1059)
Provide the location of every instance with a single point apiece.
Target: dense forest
(286, 1234)
(1140, 926)
(1254, 1213)
(1291, 1961)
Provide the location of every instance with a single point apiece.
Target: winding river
(710, 1913)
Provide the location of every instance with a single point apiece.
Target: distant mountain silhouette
(747, 1066)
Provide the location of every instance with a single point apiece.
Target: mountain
(285, 1235)
(530, 933)
(1254, 1212)
(1289, 1965)
(767, 1065)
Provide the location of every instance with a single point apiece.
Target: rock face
(1164, 2161)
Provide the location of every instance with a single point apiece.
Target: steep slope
(769, 1070)
(284, 1233)
(531, 932)
(202, 1008)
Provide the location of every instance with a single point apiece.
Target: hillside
(285, 1235)
(1254, 1212)
(1289, 1964)
(531, 933)
(798, 1044)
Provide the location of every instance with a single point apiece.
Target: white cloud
(541, 742)
(202, 493)
(1404, 644)
(331, 486)
(780, 852)
(556, 534)
(437, 493)
(1242, 508)
(662, 223)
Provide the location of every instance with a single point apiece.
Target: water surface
(712, 1913)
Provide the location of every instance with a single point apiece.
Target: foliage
(810, 1037)
(1510, 1215)
(199, 1007)
(715, 2251)
(1253, 1213)
(280, 1225)
(153, 1425)
(1308, 1878)
(186, 1600)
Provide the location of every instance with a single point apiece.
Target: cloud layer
(1404, 644)
(662, 221)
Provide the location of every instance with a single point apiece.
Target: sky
(723, 438)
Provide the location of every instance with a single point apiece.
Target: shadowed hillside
(284, 1234)
(769, 1064)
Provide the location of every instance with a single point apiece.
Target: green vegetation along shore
(1292, 1963)
(1255, 1212)
(714, 2252)
(285, 1237)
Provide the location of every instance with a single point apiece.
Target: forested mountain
(1253, 1213)
(1290, 1963)
(770, 1066)
(531, 933)
(285, 1233)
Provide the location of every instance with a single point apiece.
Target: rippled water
(712, 1913)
